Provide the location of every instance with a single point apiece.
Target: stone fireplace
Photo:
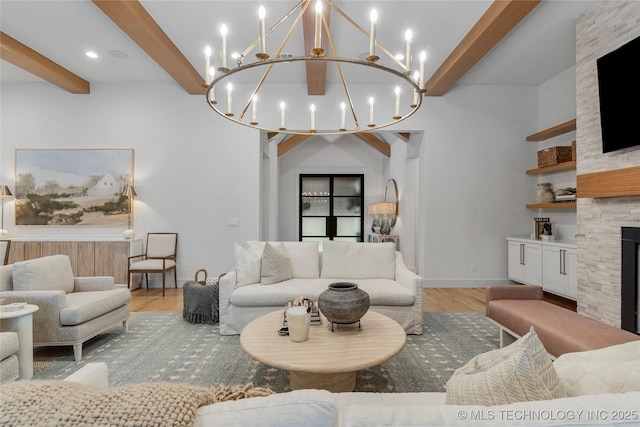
(601, 218)
(630, 298)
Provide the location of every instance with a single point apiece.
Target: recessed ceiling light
(91, 54)
(118, 54)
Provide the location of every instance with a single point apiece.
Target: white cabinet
(550, 264)
(525, 262)
(559, 266)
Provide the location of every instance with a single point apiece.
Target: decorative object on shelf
(373, 211)
(343, 303)
(545, 193)
(403, 78)
(554, 155)
(4, 192)
(566, 194)
(538, 227)
(129, 192)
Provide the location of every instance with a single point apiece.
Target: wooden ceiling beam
(316, 70)
(375, 142)
(290, 142)
(499, 19)
(136, 22)
(21, 55)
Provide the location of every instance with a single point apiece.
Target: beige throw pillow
(520, 372)
(276, 266)
(247, 266)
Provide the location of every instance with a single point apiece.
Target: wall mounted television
(619, 92)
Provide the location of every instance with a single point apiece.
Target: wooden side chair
(5, 247)
(160, 257)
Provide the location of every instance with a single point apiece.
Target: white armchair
(72, 310)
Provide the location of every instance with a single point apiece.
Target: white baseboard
(453, 283)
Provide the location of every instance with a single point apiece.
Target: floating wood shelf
(553, 131)
(564, 166)
(613, 183)
(560, 205)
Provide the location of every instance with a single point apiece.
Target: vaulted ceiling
(480, 42)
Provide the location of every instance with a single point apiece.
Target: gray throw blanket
(200, 303)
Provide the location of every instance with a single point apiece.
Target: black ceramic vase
(343, 302)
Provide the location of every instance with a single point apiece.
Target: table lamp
(4, 191)
(129, 192)
(386, 209)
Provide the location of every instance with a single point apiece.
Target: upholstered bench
(516, 308)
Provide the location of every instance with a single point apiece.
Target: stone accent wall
(599, 31)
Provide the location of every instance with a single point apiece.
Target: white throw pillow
(520, 372)
(304, 257)
(247, 266)
(276, 266)
(614, 369)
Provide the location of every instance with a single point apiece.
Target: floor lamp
(4, 191)
(129, 192)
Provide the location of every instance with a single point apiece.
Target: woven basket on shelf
(554, 155)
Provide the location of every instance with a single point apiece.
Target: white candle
(229, 88)
(342, 116)
(397, 101)
(223, 45)
(255, 108)
(408, 36)
(423, 58)
(212, 71)
(263, 43)
(416, 93)
(313, 117)
(282, 115)
(372, 36)
(318, 35)
(371, 110)
(207, 64)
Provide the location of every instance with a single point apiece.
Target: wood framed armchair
(160, 257)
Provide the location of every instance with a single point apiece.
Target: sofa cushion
(304, 257)
(614, 369)
(276, 265)
(247, 266)
(351, 260)
(381, 292)
(522, 371)
(50, 273)
(8, 344)
(296, 408)
(6, 277)
(84, 306)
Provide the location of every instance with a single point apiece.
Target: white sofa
(603, 388)
(377, 268)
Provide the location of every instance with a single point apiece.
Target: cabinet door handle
(563, 267)
(521, 253)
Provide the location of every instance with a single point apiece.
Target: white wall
(194, 171)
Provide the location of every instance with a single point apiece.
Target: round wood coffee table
(327, 360)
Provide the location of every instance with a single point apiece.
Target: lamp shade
(129, 191)
(386, 208)
(5, 191)
(373, 209)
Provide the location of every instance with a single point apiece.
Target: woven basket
(553, 155)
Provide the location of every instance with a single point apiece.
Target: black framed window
(331, 207)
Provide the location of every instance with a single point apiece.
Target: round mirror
(391, 196)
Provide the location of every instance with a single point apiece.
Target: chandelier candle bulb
(207, 65)
(318, 35)
(416, 93)
(229, 108)
(423, 58)
(343, 117)
(223, 46)
(409, 37)
(282, 126)
(313, 117)
(397, 110)
(371, 112)
(254, 106)
(372, 36)
(263, 43)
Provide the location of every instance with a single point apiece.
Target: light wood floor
(434, 299)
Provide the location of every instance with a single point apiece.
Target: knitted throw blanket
(200, 303)
(61, 403)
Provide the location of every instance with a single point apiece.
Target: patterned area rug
(164, 347)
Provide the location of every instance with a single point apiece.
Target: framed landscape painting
(72, 187)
